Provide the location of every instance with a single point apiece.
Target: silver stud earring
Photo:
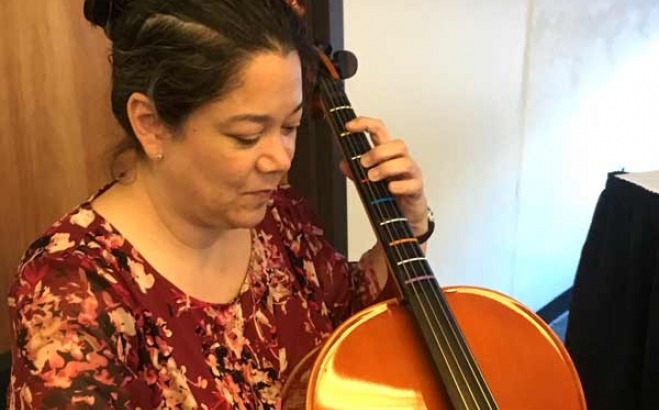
(159, 157)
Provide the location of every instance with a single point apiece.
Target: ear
(148, 128)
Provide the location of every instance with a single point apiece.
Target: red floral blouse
(95, 326)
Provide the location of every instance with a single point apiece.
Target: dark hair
(185, 53)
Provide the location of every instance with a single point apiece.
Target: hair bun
(98, 11)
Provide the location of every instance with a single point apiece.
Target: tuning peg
(345, 63)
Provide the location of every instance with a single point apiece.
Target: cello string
(334, 103)
(359, 175)
(357, 146)
(451, 325)
(369, 189)
(297, 9)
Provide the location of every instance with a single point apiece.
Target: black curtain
(613, 328)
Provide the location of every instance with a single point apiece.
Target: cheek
(290, 145)
(228, 171)
(212, 161)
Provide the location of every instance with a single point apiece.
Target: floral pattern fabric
(95, 326)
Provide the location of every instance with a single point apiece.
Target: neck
(164, 215)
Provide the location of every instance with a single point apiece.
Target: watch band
(423, 238)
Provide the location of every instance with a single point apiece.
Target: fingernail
(365, 162)
(373, 175)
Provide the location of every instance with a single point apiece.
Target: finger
(387, 151)
(376, 128)
(412, 188)
(399, 168)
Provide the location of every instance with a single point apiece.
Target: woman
(194, 280)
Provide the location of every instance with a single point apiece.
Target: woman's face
(220, 170)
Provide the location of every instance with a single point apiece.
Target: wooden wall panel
(55, 122)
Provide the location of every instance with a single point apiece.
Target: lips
(262, 193)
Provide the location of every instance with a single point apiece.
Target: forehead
(269, 87)
(266, 65)
(267, 80)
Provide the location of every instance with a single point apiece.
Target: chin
(248, 219)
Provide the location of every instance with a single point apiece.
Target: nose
(277, 155)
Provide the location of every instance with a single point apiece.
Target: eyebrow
(258, 118)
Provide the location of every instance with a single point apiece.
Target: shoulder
(66, 236)
(74, 255)
(72, 320)
(67, 285)
(72, 234)
(286, 196)
(290, 208)
(291, 218)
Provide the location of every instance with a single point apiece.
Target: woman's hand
(390, 160)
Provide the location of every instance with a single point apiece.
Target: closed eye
(246, 141)
(290, 129)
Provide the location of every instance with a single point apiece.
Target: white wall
(515, 111)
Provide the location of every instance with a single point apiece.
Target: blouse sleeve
(349, 287)
(71, 336)
(346, 287)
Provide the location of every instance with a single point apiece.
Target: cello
(455, 348)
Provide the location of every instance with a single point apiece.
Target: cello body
(375, 360)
